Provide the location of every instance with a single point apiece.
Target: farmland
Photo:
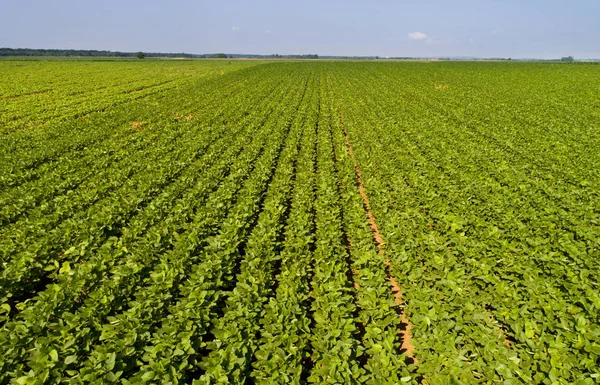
(248, 222)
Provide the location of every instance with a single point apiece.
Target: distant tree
(140, 55)
(568, 59)
(218, 56)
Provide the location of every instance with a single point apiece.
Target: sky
(424, 28)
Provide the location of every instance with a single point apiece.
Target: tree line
(87, 53)
(140, 55)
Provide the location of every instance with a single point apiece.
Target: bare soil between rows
(406, 348)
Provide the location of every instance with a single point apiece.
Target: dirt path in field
(407, 348)
(498, 327)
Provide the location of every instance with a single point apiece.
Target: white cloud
(268, 32)
(235, 28)
(417, 36)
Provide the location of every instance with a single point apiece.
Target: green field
(273, 222)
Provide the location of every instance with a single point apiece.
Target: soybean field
(299, 222)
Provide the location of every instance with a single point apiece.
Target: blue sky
(506, 28)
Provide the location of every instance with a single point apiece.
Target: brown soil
(407, 348)
(492, 320)
(138, 125)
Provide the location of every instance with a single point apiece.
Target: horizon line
(204, 55)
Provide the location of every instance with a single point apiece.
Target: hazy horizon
(532, 29)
